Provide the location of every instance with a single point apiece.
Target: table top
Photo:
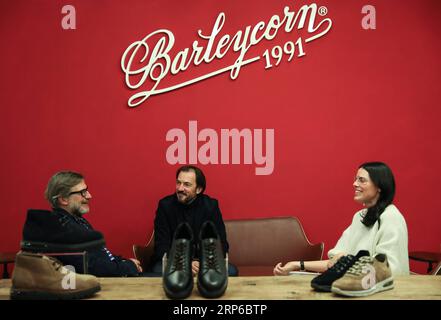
(295, 287)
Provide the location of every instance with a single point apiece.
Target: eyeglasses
(83, 192)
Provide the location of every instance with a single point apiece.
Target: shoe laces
(343, 263)
(179, 258)
(56, 264)
(211, 256)
(359, 267)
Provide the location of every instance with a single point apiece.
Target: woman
(379, 228)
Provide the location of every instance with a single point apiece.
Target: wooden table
(295, 287)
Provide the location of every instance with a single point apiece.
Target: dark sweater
(171, 213)
(101, 262)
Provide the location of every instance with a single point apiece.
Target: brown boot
(38, 276)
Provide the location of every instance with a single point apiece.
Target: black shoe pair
(324, 281)
(50, 232)
(212, 277)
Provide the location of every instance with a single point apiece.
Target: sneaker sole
(384, 285)
(321, 288)
(27, 294)
(47, 247)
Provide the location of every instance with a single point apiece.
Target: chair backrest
(144, 253)
(257, 242)
(437, 270)
(265, 242)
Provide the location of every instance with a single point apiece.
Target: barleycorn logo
(151, 58)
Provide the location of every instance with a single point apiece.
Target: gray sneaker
(367, 276)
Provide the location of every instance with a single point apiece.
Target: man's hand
(137, 264)
(195, 267)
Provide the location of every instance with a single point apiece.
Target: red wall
(357, 95)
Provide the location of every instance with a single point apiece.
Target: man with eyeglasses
(65, 227)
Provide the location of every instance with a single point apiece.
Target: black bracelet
(302, 266)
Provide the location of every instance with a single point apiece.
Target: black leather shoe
(212, 276)
(56, 231)
(177, 278)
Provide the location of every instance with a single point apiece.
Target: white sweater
(389, 238)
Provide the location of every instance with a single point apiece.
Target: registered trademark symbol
(322, 10)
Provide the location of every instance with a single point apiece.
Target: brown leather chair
(437, 270)
(429, 257)
(144, 253)
(257, 245)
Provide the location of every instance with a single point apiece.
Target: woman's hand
(284, 271)
(335, 258)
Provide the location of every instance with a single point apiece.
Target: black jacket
(171, 213)
(101, 262)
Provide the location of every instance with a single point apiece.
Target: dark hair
(381, 175)
(200, 177)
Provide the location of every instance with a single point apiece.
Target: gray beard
(79, 212)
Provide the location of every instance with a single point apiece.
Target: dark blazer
(171, 213)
